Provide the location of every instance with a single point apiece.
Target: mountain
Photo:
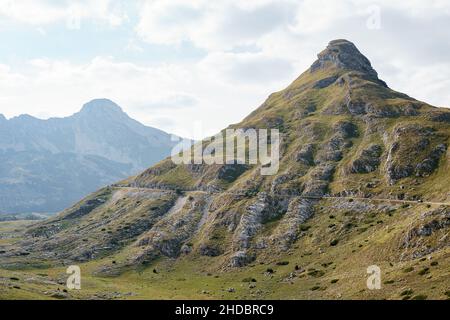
(363, 181)
(47, 165)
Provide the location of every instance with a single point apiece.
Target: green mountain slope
(363, 180)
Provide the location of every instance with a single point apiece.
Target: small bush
(316, 273)
(407, 292)
(315, 288)
(334, 242)
(408, 269)
(249, 279)
(434, 263)
(349, 225)
(424, 271)
(270, 270)
(282, 263)
(304, 228)
(420, 297)
(334, 280)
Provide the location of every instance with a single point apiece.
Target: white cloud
(318, 15)
(72, 13)
(36, 12)
(246, 69)
(183, 93)
(170, 22)
(133, 46)
(227, 24)
(252, 48)
(429, 84)
(287, 35)
(214, 25)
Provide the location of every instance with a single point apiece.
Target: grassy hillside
(363, 181)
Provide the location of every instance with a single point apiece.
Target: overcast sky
(173, 63)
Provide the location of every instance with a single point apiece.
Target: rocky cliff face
(46, 165)
(343, 54)
(358, 161)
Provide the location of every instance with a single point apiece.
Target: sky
(181, 65)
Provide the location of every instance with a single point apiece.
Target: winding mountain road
(306, 197)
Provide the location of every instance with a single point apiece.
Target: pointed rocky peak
(343, 54)
(101, 107)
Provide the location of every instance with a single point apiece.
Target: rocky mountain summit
(363, 180)
(47, 165)
(343, 54)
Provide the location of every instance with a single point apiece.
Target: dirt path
(179, 204)
(316, 198)
(205, 213)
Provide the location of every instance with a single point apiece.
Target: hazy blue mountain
(46, 165)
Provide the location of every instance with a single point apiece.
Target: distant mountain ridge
(48, 164)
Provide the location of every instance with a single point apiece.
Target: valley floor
(308, 271)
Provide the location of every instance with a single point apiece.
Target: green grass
(338, 273)
(331, 254)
